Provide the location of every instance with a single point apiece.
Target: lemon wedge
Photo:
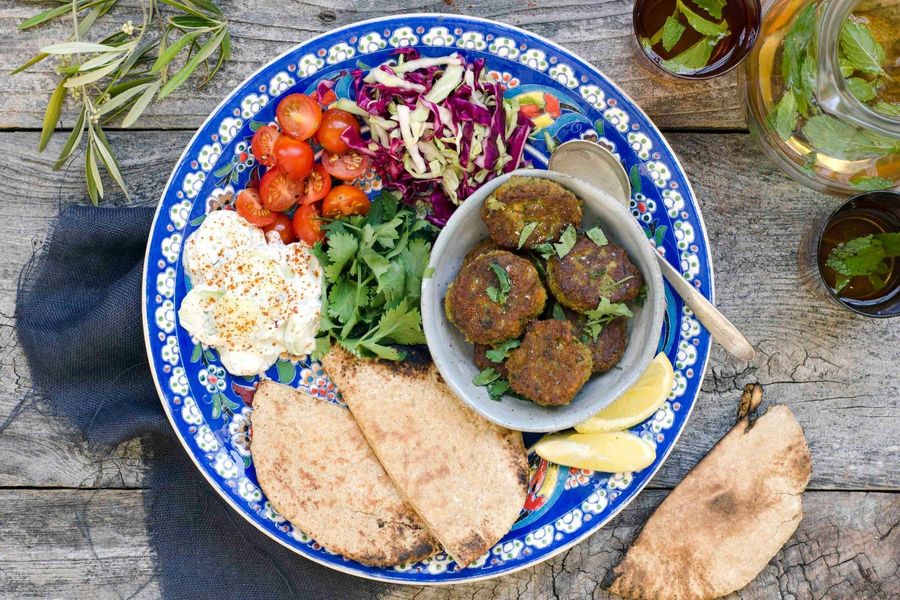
(637, 402)
(616, 452)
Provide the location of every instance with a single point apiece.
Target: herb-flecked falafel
(550, 365)
(490, 320)
(523, 203)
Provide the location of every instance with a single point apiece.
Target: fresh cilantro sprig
(566, 242)
(495, 384)
(605, 312)
(867, 256)
(596, 235)
(499, 353)
(499, 295)
(527, 230)
(373, 267)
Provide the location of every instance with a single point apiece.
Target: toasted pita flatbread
(723, 524)
(465, 476)
(317, 470)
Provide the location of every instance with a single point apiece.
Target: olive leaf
(123, 72)
(51, 116)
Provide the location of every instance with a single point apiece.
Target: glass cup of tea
(853, 255)
(695, 39)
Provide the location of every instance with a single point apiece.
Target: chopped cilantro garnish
(490, 378)
(566, 241)
(597, 236)
(499, 353)
(499, 295)
(527, 230)
(605, 312)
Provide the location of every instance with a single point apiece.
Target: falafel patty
(522, 201)
(589, 272)
(483, 320)
(550, 365)
(608, 348)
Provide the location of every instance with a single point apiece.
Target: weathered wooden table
(70, 517)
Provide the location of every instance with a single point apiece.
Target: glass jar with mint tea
(822, 92)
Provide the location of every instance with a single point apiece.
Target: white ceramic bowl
(452, 354)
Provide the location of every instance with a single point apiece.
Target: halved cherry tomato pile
(293, 180)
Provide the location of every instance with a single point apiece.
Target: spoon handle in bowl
(722, 330)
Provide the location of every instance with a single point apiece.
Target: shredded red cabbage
(439, 129)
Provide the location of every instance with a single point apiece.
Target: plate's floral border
(221, 158)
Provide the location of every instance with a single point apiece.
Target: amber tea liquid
(741, 16)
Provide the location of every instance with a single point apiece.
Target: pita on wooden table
(729, 516)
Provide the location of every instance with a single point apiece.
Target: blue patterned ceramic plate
(206, 405)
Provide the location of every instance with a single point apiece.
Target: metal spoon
(595, 164)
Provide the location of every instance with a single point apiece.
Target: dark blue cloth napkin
(78, 314)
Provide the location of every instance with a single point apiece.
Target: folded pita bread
(317, 470)
(726, 520)
(465, 476)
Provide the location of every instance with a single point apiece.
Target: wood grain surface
(71, 515)
(92, 544)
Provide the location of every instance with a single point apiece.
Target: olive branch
(124, 71)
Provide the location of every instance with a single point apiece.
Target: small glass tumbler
(870, 213)
(699, 53)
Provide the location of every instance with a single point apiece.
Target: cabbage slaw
(439, 129)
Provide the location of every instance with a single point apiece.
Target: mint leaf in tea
(870, 256)
(861, 255)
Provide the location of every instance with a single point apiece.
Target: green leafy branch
(121, 74)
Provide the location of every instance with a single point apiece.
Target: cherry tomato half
(278, 191)
(299, 116)
(294, 157)
(318, 184)
(334, 122)
(346, 166)
(263, 144)
(345, 200)
(306, 224)
(248, 205)
(283, 227)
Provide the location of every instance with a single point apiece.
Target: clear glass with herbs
(852, 256)
(695, 39)
(823, 92)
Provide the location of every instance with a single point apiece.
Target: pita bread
(465, 476)
(317, 470)
(723, 524)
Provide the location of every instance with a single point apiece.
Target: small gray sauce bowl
(452, 354)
